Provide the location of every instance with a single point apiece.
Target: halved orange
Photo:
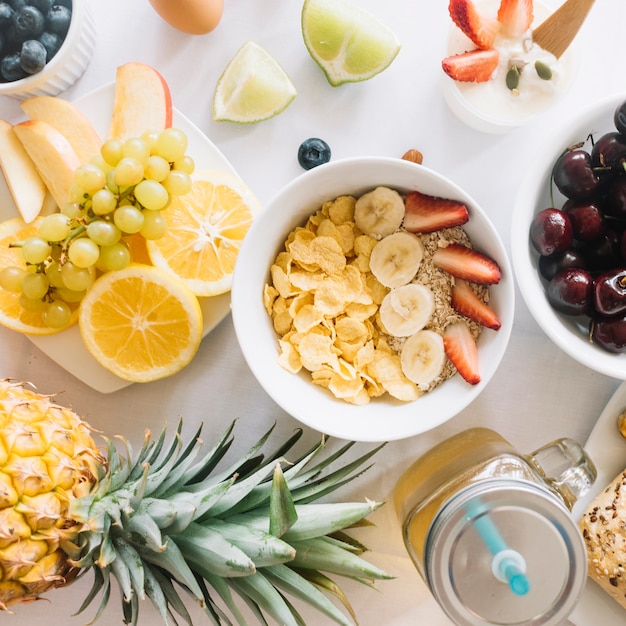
(12, 315)
(205, 230)
(141, 323)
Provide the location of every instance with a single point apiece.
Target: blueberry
(51, 42)
(10, 68)
(32, 56)
(63, 3)
(42, 5)
(6, 14)
(18, 4)
(28, 23)
(58, 20)
(313, 152)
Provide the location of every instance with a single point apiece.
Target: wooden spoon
(557, 32)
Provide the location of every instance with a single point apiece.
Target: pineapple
(169, 520)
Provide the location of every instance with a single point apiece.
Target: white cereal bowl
(568, 333)
(68, 64)
(383, 419)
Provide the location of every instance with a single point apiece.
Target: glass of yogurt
(505, 102)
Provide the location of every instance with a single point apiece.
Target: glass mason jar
(489, 529)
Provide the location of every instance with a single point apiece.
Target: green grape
(103, 202)
(56, 314)
(103, 233)
(53, 272)
(76, 278)
(112, 186)
(73, 210)
(111, 151)
(11, 278)
(152, 195)
(100, 162)
(150, 137)
(32, 305)
(77, 193)
(90, 178)
(136, 148)
(70, 295)
(128, 219)
(55, 227)
(35, 250)
(35, 286)
(156, 168)
(177, 183)
(171, 144)
(155, 225)
(128, 172)
(83, 252)
(115, 257)
(186, 164)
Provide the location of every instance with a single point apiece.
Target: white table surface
(538, 394)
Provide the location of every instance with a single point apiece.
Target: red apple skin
(142, 101)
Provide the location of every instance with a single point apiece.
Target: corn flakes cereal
(324, 302)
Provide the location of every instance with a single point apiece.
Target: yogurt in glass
(493, 106)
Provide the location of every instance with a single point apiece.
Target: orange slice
(205, 230)
(141, 323)
(12, 315)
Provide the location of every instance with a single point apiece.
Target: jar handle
(566, 466)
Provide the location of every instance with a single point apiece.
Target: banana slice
(396, 258)
(406, 309)
(423, 357)
(380, 212)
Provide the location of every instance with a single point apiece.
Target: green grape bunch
(122, 191)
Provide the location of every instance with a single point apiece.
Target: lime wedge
(252, 88)
(346, 41)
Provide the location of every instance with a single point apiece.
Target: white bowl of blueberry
(568, 237)
(45, 45)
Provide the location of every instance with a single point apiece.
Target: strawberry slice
(468, 264)
(516, 16)
(426, 214)
(481, 29)
(462, 351)
(475, 66)
(466, 302)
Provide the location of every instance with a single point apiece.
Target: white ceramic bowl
(68, 64)
(382, 419)
(533, 196)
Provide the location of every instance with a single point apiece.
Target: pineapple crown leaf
(282, 511)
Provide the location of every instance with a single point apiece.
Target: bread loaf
(603, 526)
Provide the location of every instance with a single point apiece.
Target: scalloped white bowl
(68, 64)
(383, 419)
(533, 196)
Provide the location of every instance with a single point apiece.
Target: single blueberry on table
(313, 152)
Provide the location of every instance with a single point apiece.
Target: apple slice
(68, 120)
(142, 101)
(53, 155)
(23, 180)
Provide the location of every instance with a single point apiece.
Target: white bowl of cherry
(568, 237)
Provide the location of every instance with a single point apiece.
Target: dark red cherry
(614, 198)
(551, 232)
(549, 266)
(587, 219)
(609, 151)
(609, 293)
(570, 291)
(574, 175)
(619, 117)
(603, 253)
(609, 333)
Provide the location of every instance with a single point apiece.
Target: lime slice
(346, 41)
(252, 88)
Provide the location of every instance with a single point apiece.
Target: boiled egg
(195, 17)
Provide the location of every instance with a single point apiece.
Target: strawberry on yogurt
(494, 69)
